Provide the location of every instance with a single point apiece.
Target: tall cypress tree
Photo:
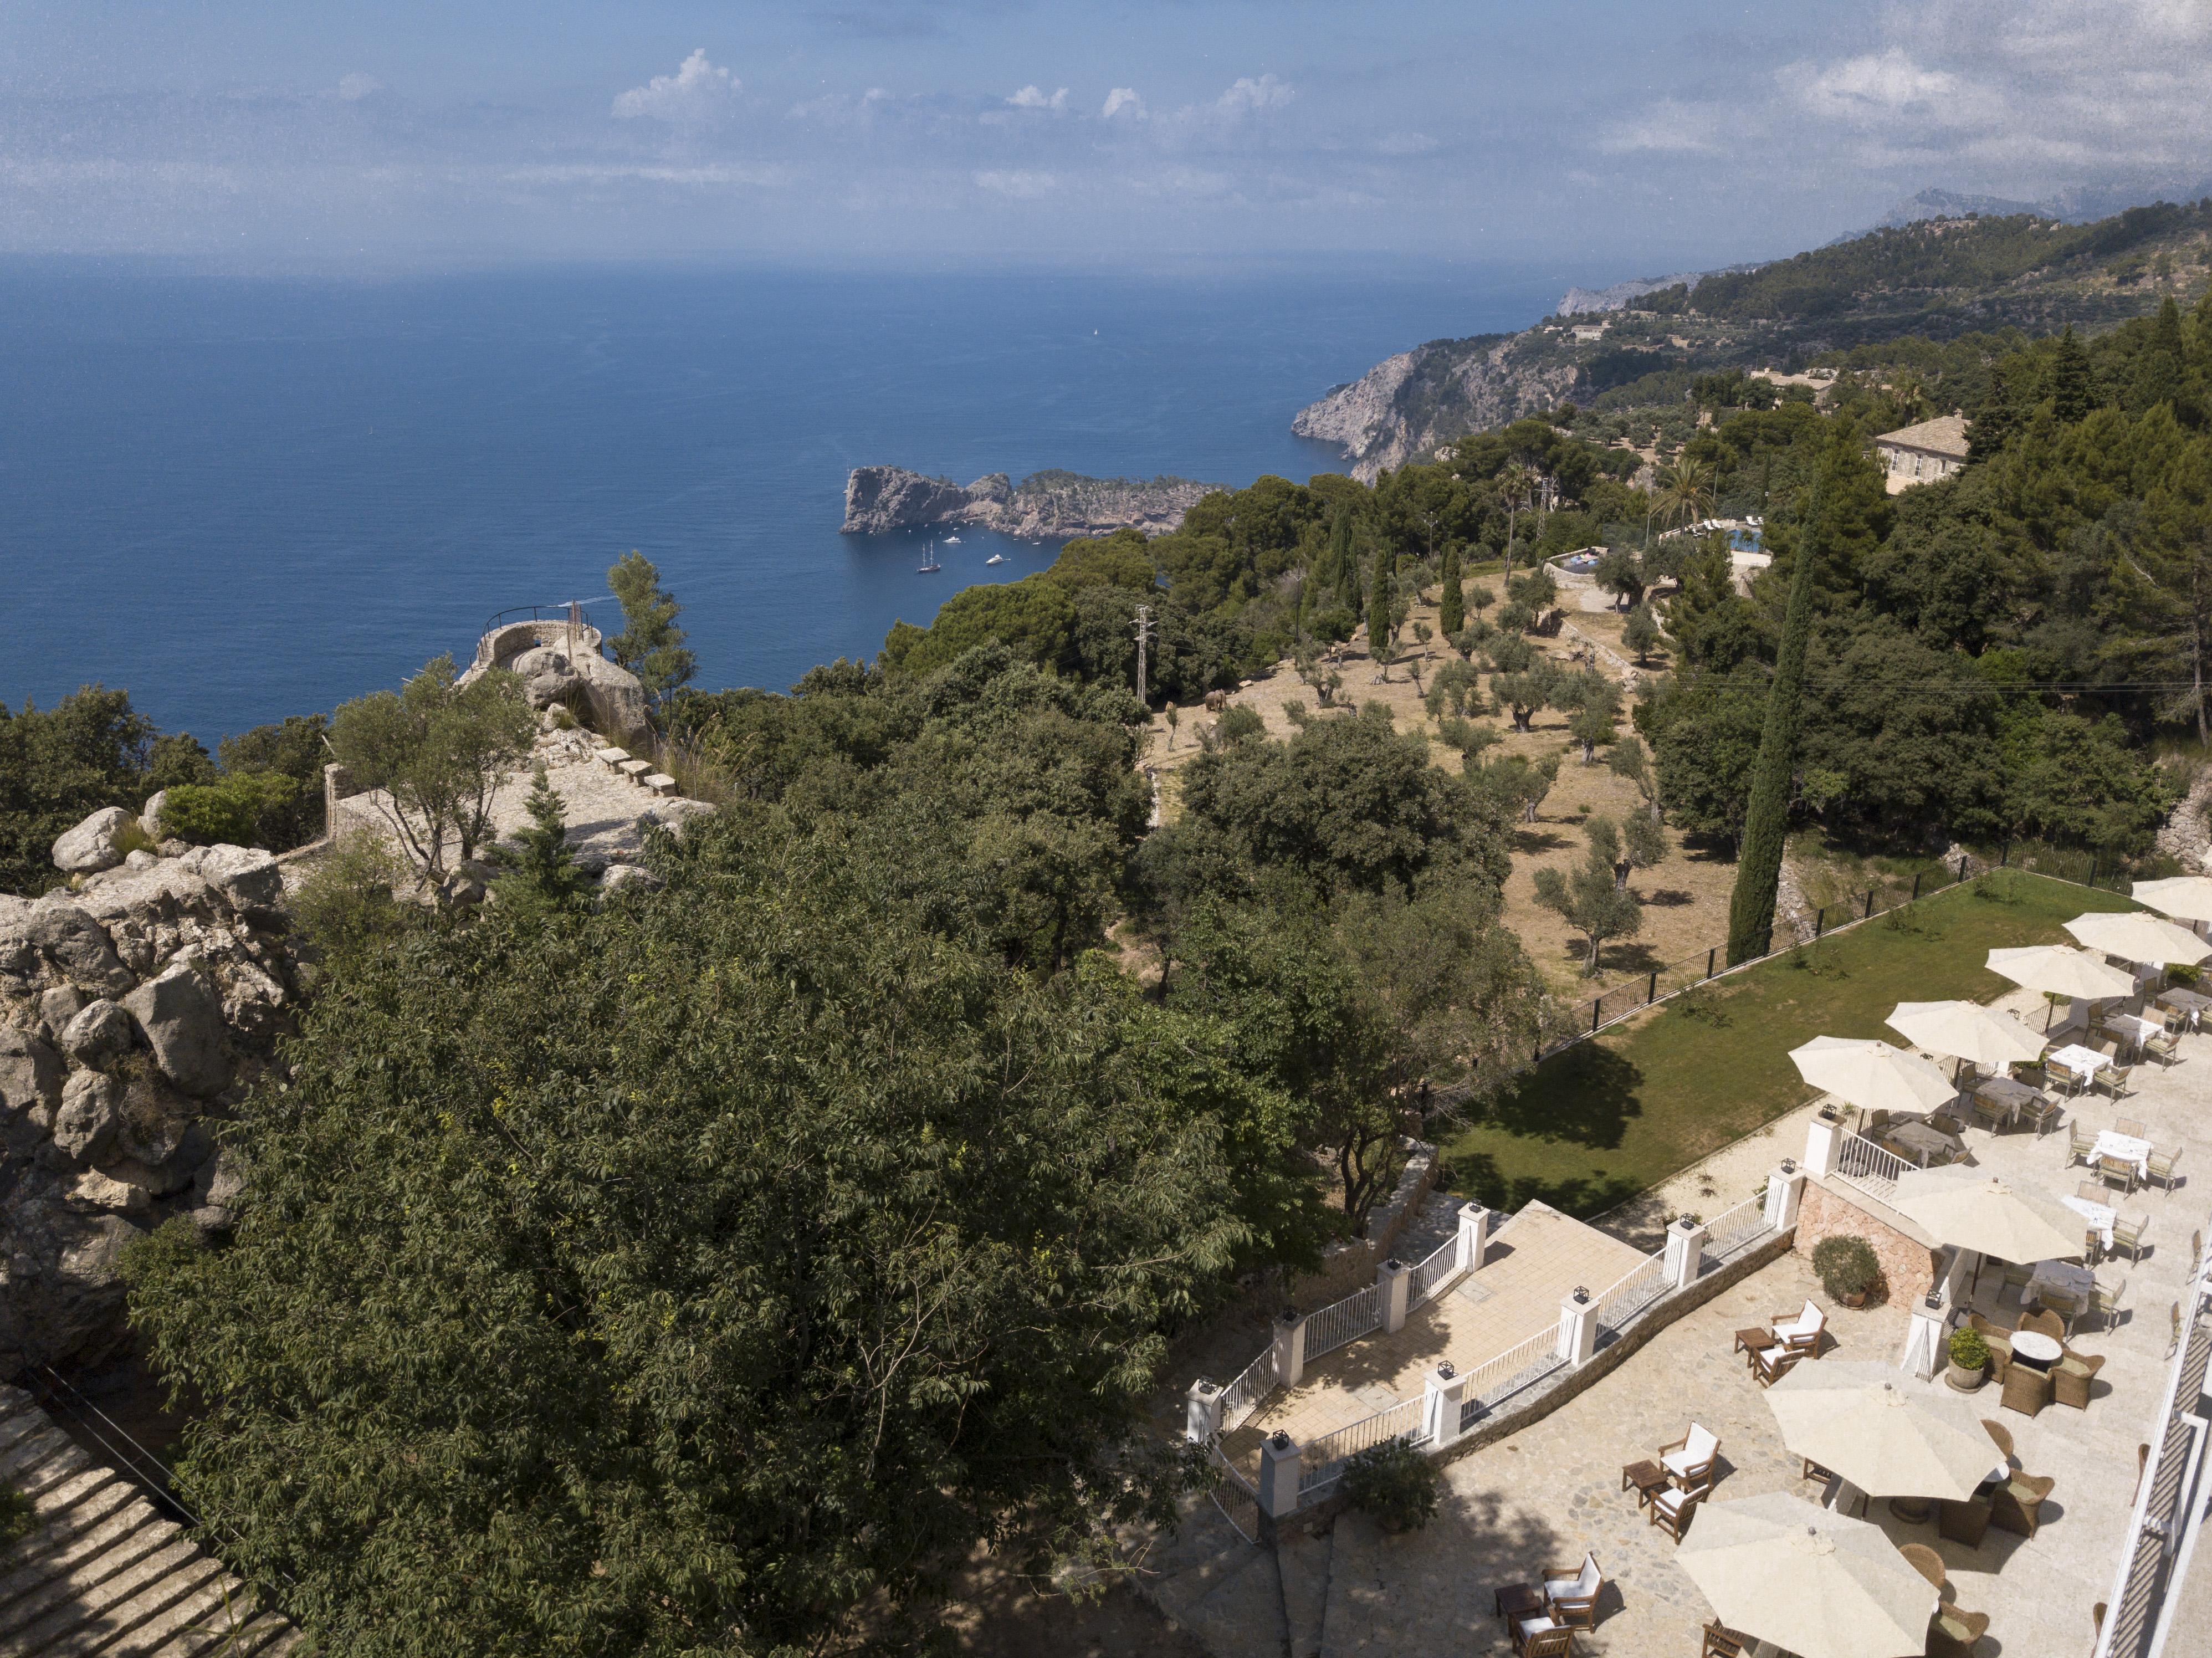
(1451, 603)
(2071, 390)
(1378, 613)
(1341, 559)
(2162, 362)
(1766, 817)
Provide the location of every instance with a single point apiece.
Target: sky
(267, 134)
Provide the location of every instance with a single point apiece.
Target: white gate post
(1785, 1191)
(1440, 1400)
(1279, 1463)
(1395, 1281)
(1290, 1347)
(1686, 1252)
(1201, 1422)
(1474, 1237)
(1823, 1137)
(1577, 1327)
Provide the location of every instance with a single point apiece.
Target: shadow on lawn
(1475, 1175)
(1585, 1097)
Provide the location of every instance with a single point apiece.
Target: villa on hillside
(1924, 453)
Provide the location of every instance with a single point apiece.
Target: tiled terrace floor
(1534, 1262)
(1548, 1492)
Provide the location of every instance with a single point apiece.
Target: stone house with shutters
(1924, 453)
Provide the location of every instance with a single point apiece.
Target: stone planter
(1962, 1381)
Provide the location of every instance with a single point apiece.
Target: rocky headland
(1407, 406)
(1044, 506)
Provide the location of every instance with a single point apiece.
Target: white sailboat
(929, 565)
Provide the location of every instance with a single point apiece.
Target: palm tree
(1514, 483)
(1685, 495)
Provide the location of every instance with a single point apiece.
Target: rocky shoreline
(1045, 506)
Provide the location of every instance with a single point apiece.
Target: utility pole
(1144, 633)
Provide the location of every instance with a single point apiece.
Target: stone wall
(1830, 1211)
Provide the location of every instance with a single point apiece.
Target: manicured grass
(1593, 1126)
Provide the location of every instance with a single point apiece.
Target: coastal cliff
(1406, 406)
(1050, 505)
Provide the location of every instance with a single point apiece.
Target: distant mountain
(1587, 301)
(1950, 204)
(2077, 206)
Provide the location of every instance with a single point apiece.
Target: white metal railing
(1496, 1380)
(1732, 1228)
(1347, 1320)
(1636, 1291)
(1860, 1160)
(1324, 1458)
(1243, 1396)
(1432, 1274)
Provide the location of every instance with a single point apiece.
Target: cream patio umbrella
(1860, 1422)
(1872, 1074)
(1819, 1584)
(1966, 1030)
(1973, 1208)
(2134, 936)
(2063, 970)
(2185, 897)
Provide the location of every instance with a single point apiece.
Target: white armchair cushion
(1697, 1453)
(1670, 1501)
(1584, 1583)
(1809, 1320)
(1536, 1626)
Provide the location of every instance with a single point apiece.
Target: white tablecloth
(2110, 1143)
(2098, 1215)
(2138, 1030)
(2081, 1062)
(2065, 1277)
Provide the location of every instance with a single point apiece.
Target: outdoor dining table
(2004, 1092)
(2133, 1029)
(1923, 1142)
(2100, 1216)
(2035, 1349)
(2065, 1277)
(2110, 1143)
(2189, 1002)
(2078, 1062)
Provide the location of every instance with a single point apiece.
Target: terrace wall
(1906, 1263)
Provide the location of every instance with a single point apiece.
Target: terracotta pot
(1856, 1298)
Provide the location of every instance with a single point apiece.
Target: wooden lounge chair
(1572, 1592)
(1671, 1511)
(2159, 1167)
(2080, 1145)
(1999, 1342)
(2026, 1389)
(2072, 1377)
(2117, 1171)
(1801, 1334)
(1721, 1642)
(1770, 1364)
(2128, 1234)
(1690, 1459)
(1539, 1637)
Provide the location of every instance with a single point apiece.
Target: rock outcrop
(134, 1012)
(93, 844)
(1045, 506)
(1407, 406)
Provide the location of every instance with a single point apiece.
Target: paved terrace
(1534, 1262)
(1545, 1494)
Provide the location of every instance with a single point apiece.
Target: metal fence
(1347, 1320)
(1633, 1294)
(1862, 1163)
(1243, 1396)
(1732, 1228)
(1496, 1380)
(1433, 1273)
(1324, 1458)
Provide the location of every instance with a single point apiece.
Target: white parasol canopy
(1862, 1422)
(2134, 936)
(1973, 1208)
(1872, 1074)
(2185, 897)
(2063, 971)
(1966, 1030)
(1821, 1585)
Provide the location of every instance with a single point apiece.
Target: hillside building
(1921, 454)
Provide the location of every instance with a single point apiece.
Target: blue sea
(243, 499)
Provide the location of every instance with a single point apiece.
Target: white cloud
(1034, 98)
(1019, 183)
(1123, 101)
(1879, 86)
(698, 91)
(355, 87)
(1670, 127)
(1249, 96)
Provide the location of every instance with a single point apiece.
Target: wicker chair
(2045, 1323)
(1925, 1561)
(2027, 1390)
(1999, 1342)
(1952, 1633)
(1966, 1521)
(2016, 1505)
(2072, 1377)
(2128, 1234)
(2002, 1438)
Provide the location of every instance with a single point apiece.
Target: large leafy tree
(682, 1277)
(650, 644)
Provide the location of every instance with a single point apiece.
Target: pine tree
(1766, 816)
(1451, 603)
(2159, 367)
(1378, 614)
(2071, 390)
(540, 873)
(1343, 562)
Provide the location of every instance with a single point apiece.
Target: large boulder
(149, 815)
(95, 844)
(86, 1127)
(30, 1073)
(99, 1032)
(248, 876)
(181, 1014)
(77, 945)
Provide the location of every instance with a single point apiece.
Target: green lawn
(1592, 1127)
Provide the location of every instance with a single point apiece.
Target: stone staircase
(105, 1573)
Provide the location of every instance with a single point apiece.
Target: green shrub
(19, 1518)
(1394, 1483)
(1847, 1267)
(238, 809)
(1968, 1351)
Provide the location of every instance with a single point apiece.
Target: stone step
(1303, 1562)
(110, 1551)
(1357, 1594)
(41, 1459)
(156, 1591)
(66, 1512)
(201, 1612)
(99, 1527)
(1242, 1615)
(73, 1604)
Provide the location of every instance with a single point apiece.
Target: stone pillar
(1686, 1253)
(1201, 1421)
(1785, 1192)
(1577, 1329)
(1395, 1281)
(1290, 1347)
(1823, 1136)
(338, 785)
(1474, 1237)
(1279, 1466)
(1442, 1398)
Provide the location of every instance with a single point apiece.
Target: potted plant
(1848, 1270)
(1970, 1359)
